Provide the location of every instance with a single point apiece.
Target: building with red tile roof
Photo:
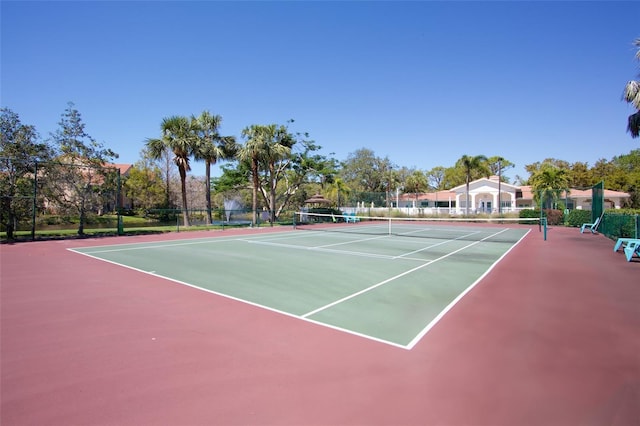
(486, 193)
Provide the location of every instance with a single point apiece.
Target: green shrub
(528, 214)
(630, 212)
(578, 217)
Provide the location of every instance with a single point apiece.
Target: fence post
(35, 196)
(118, 207)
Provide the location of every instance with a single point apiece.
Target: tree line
(271, 168)
(279, 168)
(73, 177)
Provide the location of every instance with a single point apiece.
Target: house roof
(124, 168)
(429, 196)
(525, 190)
(575, 193)
(490, 181)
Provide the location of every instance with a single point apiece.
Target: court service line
(388, 280)
(327, 250)
(350, 241)
(359, 240)
(402, 256)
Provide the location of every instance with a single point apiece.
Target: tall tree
(144, 186)
(20, 149)
(497, 166)
(627, 175)
(252, 152)
(79, 179)
(337, 190)
(548, 183)
(470, 165)
(535, 167)
(632, 96)
(364, 171)
(177, 136)
(301, 168)
(580, 176)
(435, 177)
(276, 146)
(393, 184)
(165, 164)
(210, 147)
(602, 169)
(416, 183)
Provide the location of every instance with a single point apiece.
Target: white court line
(324, 248)
(285, 234)
(147, 246)
(175, 243)
(323, 233)
(438, 317)
(435, 245)
(388, 280)
(359, 240)
(327, 250)
(227, 296)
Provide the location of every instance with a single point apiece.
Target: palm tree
(632, 96)
(210, 147)
(549, 182)
(416, 183)
(471, 166)
(251, 153)
(496, 165)
(278, 148)
(177, 137)
(337, 187)
(265, 146)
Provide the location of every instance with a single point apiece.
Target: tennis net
(472, 229)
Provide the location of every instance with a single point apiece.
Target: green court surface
(388, 288)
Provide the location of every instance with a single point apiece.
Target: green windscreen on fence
(597, 200)
(615, 225)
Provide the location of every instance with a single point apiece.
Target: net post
(544, 226)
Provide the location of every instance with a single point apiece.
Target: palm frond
(156, 147)
(632, 93)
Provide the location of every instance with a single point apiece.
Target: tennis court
(548, 336)
(388, 285)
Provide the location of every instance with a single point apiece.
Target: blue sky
(421, 82)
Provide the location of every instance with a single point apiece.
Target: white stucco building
(488, 195)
